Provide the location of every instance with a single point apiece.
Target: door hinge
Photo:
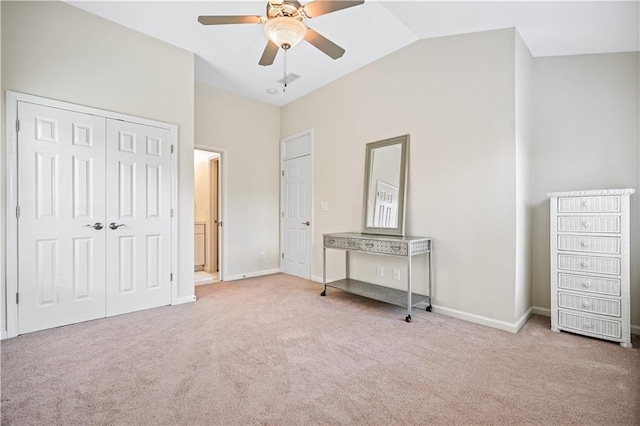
(17, 212)
(17, 298)
(283, 173)
(171, 276)
(17, 125)
(283, 255)
(282, 214)
(171, 212)
(172, 149)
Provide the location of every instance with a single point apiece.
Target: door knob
(114, 225)
(306, 223)
(97, 226)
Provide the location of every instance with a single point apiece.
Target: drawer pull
(586, 284)
(368, 245)
(396, 248)
(586, 224)
(584, 264)
(351, 243)
(584, 244)
(331, 241)
(586, 304)
(586, 203)
(588, 324)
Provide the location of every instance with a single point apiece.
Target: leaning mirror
(385, 181)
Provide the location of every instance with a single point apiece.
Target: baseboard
(317, 279)
(635, 329)
(545, 312)
(4, 334)
(253, 274)
(489, 322)
(185, 299)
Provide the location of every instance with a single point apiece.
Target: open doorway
(207, 217)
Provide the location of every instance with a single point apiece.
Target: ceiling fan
(284, 28)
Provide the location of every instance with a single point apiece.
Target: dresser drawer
(585, 283)
(386, 247)
(610, 307)
(599, 265)
(342, 242)
(585, 324)
(591, 224)
(586, 243)
(604, 204)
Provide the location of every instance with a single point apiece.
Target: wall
(247, 132)
(201, 187)
(54, 50)
(3, 279)
(524, 178)
(455, 96)
(586, 121)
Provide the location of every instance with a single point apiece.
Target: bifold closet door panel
(61, 246)
(138, 231)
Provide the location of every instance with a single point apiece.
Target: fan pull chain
(284, 89)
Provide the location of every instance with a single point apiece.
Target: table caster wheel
(324, 293)
(408, 318)
(429, 308)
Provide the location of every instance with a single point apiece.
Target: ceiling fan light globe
(285, 31)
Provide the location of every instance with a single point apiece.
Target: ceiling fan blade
(322, 7)
(222, 20)
(324, 44)
(269, 54)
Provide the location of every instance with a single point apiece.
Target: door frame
(11, 203)
(222, 204)
(214, 214)
(283, 157)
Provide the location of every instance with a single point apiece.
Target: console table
(406, 247)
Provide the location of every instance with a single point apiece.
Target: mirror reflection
(385, 176)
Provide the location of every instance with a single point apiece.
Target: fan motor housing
(284, 9)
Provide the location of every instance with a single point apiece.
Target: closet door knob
(97, 226)
(114, 225)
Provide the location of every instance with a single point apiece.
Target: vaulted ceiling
(227, 55)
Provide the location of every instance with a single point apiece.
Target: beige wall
(247, 133)
(54, 50)
(3, 283)
(201, 187)
(455, 96)
(586, 123)
(524, 177)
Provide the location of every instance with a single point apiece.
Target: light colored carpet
(270, 350)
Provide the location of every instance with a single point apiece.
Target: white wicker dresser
(590, 263)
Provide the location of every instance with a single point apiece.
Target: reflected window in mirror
(385, 185)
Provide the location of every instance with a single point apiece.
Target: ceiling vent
(291, 77)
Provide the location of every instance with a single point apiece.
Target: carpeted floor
(270, 350)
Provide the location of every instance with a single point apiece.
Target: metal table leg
(408, 318)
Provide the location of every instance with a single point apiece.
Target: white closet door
(297, 217)
(138, 203)
(61, 183)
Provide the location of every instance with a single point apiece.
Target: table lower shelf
(380, 293)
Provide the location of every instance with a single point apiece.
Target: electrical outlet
(380, 271)
(263, 255)
(396, 274)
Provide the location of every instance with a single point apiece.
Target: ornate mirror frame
(393, 164)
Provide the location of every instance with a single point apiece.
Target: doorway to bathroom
(207, 216)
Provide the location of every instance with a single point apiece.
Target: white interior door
(297, 217)
(138, 217)
(61, 180)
